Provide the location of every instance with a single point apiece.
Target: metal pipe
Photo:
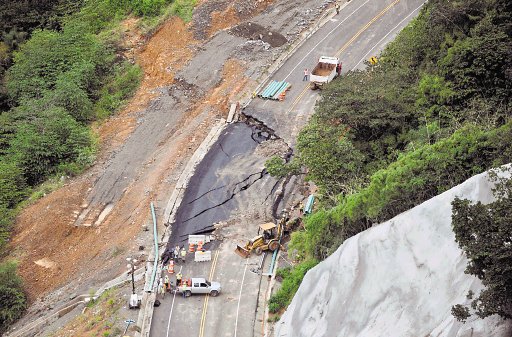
(155, 263)
(270, 88)
(264, 94)
(270, 270)
(278, 88)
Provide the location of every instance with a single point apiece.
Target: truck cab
(199, 285)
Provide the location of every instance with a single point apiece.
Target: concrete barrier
(203, 256)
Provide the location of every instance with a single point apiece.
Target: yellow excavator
(269, 239)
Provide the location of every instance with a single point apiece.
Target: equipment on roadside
(135, 302)
(269, 239)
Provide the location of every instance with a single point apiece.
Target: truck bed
(323, 69)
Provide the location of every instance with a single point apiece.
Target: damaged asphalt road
(220, 182)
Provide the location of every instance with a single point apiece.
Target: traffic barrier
(203, 256)
(195, 238)
(170, 269)
(191, 248)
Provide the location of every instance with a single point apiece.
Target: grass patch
(292, 277)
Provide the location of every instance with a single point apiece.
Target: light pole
(131, 264)
(134, 300)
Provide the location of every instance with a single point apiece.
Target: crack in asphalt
(262, 173)
(207, 229)
(205, 193)
(222, 149)
(271, 191)
(280, 197)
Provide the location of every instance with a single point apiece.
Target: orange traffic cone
(191, 248)
(200, 246)
(170, 269)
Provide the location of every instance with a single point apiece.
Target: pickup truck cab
(200, 286)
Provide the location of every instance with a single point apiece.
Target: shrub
(42, 144)
(291, 282)
(120, 86)
(12, 298)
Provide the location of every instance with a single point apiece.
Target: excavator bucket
(242, 252)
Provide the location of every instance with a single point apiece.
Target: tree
(331, 159)
(484, 232)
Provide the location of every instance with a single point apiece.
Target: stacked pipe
(274, 89)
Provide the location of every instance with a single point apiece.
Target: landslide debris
(254, 31)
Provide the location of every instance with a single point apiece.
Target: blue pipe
(268, 89)
(262, 94)
(273, 261)
(281, 89)
(275, 89)
(271, 89)
(155, 263)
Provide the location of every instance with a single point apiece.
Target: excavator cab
(267, 230)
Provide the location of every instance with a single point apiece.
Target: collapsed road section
(234, 164)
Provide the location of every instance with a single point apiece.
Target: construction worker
(161, 287)
(183, 254)
(166, 283)
(178, 279)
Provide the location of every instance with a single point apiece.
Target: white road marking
(325, 37)
(385, 36)
(240, 297)
(172, 306)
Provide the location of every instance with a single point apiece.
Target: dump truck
(325, 71)
(198, 285)
(269, 239)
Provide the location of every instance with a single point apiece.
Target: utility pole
(134, 300)
(131, 264)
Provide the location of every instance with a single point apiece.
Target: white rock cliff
(399, 278)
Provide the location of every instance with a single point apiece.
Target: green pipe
(273, 261)
(153, 275)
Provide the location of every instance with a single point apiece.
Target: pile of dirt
(274, 147)
(254, 31)
(212, 16)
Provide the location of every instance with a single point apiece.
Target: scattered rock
(254, 31)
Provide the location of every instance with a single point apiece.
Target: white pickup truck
(200, 286)
(325, 71)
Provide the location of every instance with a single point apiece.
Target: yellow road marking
(345, 46)
(362, 30)
(205, 303)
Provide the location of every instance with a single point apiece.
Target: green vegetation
(433, 112)
(61, 68)
(483, 232)
(290, 284)
(12, 298)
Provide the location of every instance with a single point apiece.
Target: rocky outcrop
(399, 278)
